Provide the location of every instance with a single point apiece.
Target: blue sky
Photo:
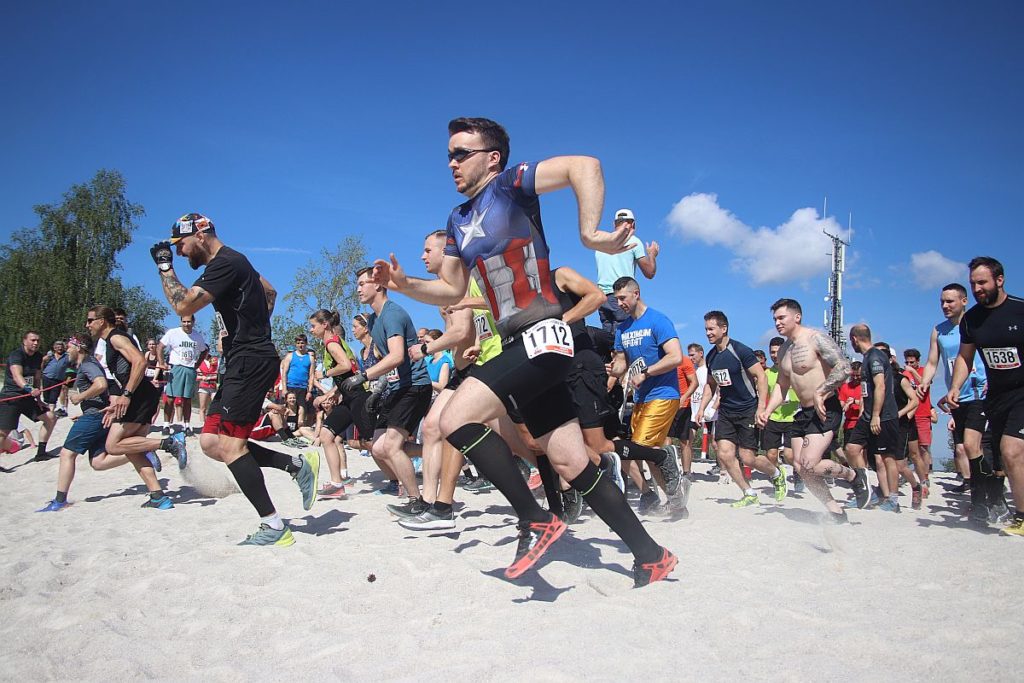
(722, 125)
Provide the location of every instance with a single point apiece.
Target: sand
(106, 590)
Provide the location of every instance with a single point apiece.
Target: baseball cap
(624, 215)
(189, 224)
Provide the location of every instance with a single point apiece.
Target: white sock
(273, 521)
(749, 492)
(778, 471)
(344, 474)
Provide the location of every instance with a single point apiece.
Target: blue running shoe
(54, 506)
(161, 503)
(389, 489)
(177, 449)
(417, 464)
(154, 461)
(265, 535)
(308, 477)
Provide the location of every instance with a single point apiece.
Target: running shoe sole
(428, 522)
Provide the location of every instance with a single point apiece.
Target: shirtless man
(811, 363)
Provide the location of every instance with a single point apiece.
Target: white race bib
(392, 376)
(1005, 358)
(548, 336)
(722, 377)
(483, 330)
(864, 389)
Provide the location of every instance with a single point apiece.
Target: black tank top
(119, 366)
(580, 338)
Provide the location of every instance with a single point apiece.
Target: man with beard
(23, 385)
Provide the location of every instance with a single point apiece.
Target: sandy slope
(108, 590)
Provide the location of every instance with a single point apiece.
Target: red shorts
(237, 430)
(924, 429)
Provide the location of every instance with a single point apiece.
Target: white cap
(624, 215)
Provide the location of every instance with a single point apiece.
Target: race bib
(950, 364)
(392, 376)
(864, 389)
(483, 330)
(30, 381)
(722, 377)
(1005, 358)
(548, 336)
(150, 373)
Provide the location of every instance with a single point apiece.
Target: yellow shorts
(652, 420)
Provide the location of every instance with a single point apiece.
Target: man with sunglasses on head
(611, 267)
(496, 238)
(243, 300)
(182, 349)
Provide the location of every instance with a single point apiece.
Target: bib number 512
(548, 336)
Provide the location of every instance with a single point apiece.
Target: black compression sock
(61, 497)
(156, 495)
(268, 457)
(41, 449)
(551, 488)
(285, 434)
(630, 450)
(607, 501)
(250, 480)
(442, 508)
(493, 460)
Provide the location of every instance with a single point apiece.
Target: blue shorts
(182, 383)
(87, 435)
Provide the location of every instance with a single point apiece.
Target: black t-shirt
(30, 365)
(240, 302)
(580, 337)
(875, 363)
(998, 334)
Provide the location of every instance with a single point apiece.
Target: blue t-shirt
(434, 366)
(393, 321)
(499, 237)
(729, 368)
(948, 336)
(610, 267)
(641, 339)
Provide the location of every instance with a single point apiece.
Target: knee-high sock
(630, 450)
(551, 488)
(607, 501)
(250, 480)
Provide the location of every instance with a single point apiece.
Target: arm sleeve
(451, 240)
(965, 332)
(91, 371)
(520, 180)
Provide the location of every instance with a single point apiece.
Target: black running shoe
(411, 508)
(861, 489)
(572, 503)
(670, 471)
(649, 502)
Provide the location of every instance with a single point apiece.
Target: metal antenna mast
(834, 311)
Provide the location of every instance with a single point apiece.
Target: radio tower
(834, 312)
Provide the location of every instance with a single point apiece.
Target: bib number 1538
(548, 336)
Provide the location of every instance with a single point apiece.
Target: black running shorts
(739, 429)
(143, 406)
(970, 415)
(28, 406)
(1005, 418)
(588, 382)
(776, 435)
(404, 407)
(535, 386)
(238, 404)
(807, 421)
(885, 443)
(681, 427)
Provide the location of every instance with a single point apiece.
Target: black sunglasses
(90, 320)
(461, 154)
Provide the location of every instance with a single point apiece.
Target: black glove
(162, 255)
(376, 393)
(354, 382)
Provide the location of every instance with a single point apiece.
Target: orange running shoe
(534, 539)
(644, 574)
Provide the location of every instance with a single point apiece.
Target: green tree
(52, 274)
(325, 281)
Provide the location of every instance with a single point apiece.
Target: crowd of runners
(514, 391)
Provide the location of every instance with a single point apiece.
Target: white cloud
(931, 269)
(795, 250)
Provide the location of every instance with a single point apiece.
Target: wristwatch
(127, 393)
(423, 349)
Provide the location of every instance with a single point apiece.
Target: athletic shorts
(924, 429)
(238, 403)
(87, 435)
(404, 407)
(1005, 418)
(28, 406)
(536, 387)
(263, 430)
(807, 421)
(681, 427)
(885, 443)
(351, 411)
(456, 378)
(52, 395)
(738, 429)
(970, 415)
(651, 421)
(144, 403)
(183, 382)
(776, 435)
(588, 382)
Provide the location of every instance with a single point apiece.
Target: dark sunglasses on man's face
(89, 321)
(461, 154)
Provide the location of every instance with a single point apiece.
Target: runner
(132, 403)
(849, 395)
(682, 426)
(734, 371)
(23, 385)
(922, 417)
(877, 430)
(906, 447)
(705, 421)
(647, 353)
(811, 363)
(968, 412)
(243, 301)
(496, 237)
(995, 326)
(778, 430)
(87, 435)
(184, 348)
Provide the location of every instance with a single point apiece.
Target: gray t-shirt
(88, 371)
(393, 321)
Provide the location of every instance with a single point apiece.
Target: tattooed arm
(829, 352)
(183, 301)
(271, 293)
